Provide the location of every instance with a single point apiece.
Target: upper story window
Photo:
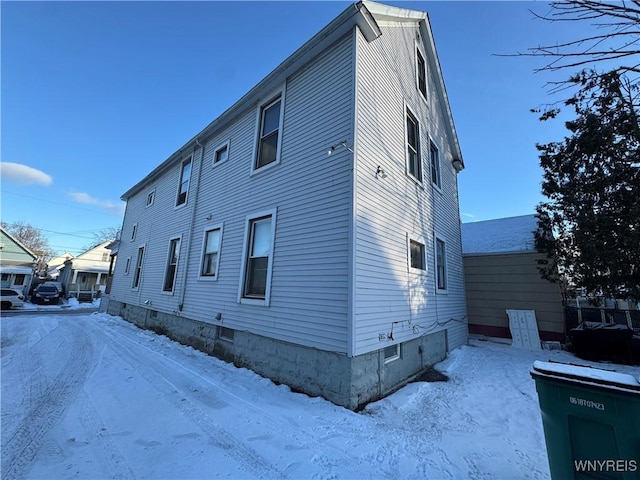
(434, 157)
(221, 153)
(183, 187)
(414, 163)
(151, 196)
(417, 257)
(441, 265)
(269, 133)
(134, 231)
(421, 73)
(210, 252)
(172, 265)
(127, 266)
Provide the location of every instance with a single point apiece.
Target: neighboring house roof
(59, 261)
(87, 265)
(92, 259)
(365, 15)
(502, 235)
(17, 270)
(13, 252)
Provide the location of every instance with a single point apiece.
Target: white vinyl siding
(387, 290)
(308, 303)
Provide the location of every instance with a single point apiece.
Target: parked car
(46, 295)
(11, 298)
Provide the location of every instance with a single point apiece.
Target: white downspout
(191, 224)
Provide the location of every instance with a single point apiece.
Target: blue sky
(96, 94)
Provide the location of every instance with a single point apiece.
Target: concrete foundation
(348, 381)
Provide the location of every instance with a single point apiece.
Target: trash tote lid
(585, 374)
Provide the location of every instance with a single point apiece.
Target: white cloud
(23, 175)
(109, 206)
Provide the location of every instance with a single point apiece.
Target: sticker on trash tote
(586, 403)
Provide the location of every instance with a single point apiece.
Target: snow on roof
(17, 270)
(85, 265)
(502, 235)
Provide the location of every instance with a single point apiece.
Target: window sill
(415, 180)
(208, 278)
(418, 271)
(260, 302)
(266, 168)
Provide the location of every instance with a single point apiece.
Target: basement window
(392, 353)
(225, 333)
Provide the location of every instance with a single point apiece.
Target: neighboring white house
(85, 276)
(17, 263)
(56, 264)
(312, 231)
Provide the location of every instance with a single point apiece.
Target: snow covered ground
(91, 396)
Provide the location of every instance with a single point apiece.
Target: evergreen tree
(589, 226)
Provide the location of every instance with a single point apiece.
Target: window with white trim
(414, 164)
(441, 264)
(434, 157)
(127, 266)
(138, 272)
(210, 252)
(183, 186)
(258, 258)
(269, 133)
(221, 153)
(391, 353)
(172, 265)
(421, 73)
(416, 255)
(19, 280)
(151, 196)
(134, 231)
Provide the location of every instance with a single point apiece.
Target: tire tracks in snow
(48, 404)
(158, 375)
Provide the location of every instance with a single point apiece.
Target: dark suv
(46, 295)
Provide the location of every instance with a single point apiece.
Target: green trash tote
(591, 421)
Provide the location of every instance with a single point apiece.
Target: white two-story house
(312, 232)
